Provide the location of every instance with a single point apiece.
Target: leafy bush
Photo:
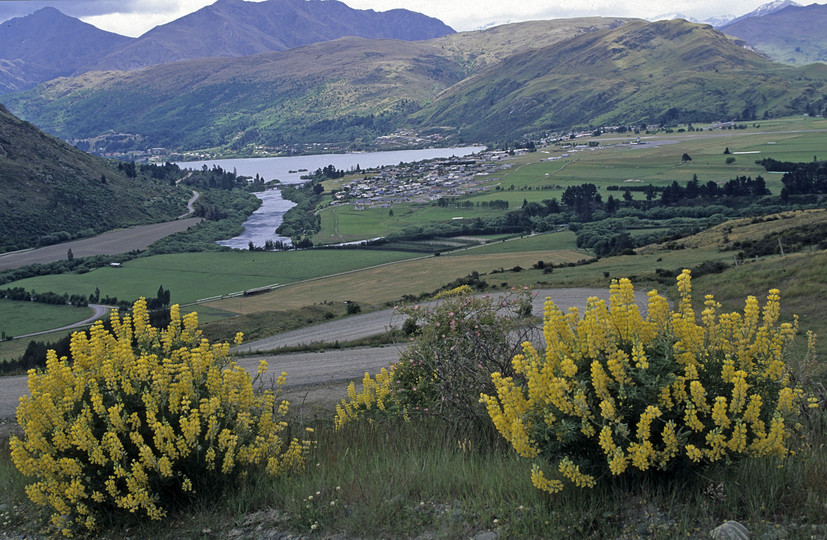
(615, 392)
(455, 345)
(144, 420)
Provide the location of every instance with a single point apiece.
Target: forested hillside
(53, 192)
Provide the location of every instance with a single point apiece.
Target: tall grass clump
(617, 393)
(144, 421)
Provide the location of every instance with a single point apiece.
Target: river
(262, 224)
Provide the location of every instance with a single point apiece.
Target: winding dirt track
(324, 375)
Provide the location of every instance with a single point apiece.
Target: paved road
(190, 204)
(342, 330)
(319, 369)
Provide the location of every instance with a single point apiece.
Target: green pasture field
(10, 350)
(376, 287)
(194, 276)
(343, 223)
(639, 268)
(659, 161)
(555, 241)
(617, 162)
(18, 318)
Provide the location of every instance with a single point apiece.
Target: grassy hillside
(481, 49)
(490, 85)
(663, 72)
(50, 188)
(329, 92)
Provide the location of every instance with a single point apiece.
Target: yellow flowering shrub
(376, 395)
(143, 419)
(615, 391)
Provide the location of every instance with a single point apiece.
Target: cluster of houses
(423, 181)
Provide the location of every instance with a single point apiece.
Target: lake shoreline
(261, 226)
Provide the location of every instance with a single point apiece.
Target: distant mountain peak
(236, 28)
(792, 34)
(770, 7)
(46, 44)
(671, 17)
(765, 9)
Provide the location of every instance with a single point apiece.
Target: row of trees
(742, 186)
(161, 300)
(22, 295)
(453, 202)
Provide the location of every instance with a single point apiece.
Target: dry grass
(375, 286)
(740, 230)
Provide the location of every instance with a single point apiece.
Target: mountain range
(662, 72)
(48, 44)
(236, 76)
(519, 81)
(793, 34)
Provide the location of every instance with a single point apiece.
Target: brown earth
(109, 243)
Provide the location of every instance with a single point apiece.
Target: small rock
(730, 530)
(486, 535)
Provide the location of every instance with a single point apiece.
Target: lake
(279, 168)
(262, 224)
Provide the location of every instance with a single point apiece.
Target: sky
(135, 17)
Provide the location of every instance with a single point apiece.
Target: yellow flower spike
(719, 413)
(572, 472)
(693, 453)
(606, 441)
(542, 483)
(698, 394)
(639, 356)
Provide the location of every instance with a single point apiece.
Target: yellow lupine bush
(614, 391)
(375, 395)
(142, 419)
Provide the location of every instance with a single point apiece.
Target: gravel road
(371, 324)
(324, 375)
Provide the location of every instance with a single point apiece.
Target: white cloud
(134, 17)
